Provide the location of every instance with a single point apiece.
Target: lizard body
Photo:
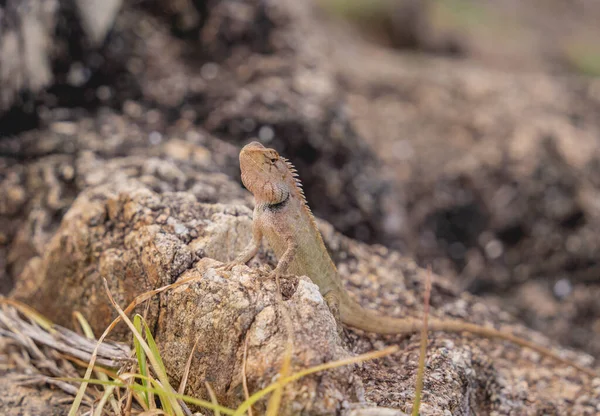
(282, 216)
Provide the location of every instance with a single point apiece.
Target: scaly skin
(282, 216)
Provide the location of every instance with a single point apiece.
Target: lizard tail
(457, 326)
(354, 315)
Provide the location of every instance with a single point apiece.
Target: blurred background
(550, 36)
(463, 133)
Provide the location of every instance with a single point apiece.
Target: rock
(240, 306)
(109, 149)
(115, 232)
(139, 240)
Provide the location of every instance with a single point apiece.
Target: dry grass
(119, 380)
(423, 349)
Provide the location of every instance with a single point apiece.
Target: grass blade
(154, 390)
(186, 370)
(100, 373)
(152, 355)
(105, 396)
(154, 349)
(213, 397)
(141, 355)
(244, 378)
(423, 349)
(326, 366)
(138, 299)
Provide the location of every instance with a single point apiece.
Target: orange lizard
(281, 214)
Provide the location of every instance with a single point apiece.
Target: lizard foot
(284, 283)
(228, 266)
(275, 275)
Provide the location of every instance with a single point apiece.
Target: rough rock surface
(139, 239)
(241, 305)
(96, 227)
(49, 167)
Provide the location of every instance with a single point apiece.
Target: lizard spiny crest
(300, 190)
(298, 182)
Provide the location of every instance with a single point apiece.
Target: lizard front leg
(288, 256)
(331, 298)
(249, 251)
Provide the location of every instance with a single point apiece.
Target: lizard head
(270, 177)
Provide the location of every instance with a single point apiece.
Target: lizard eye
(272, 157)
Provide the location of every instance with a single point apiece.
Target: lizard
(282, 216)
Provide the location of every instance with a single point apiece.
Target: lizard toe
(228, 266)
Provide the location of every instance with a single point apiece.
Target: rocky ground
(118, 159)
